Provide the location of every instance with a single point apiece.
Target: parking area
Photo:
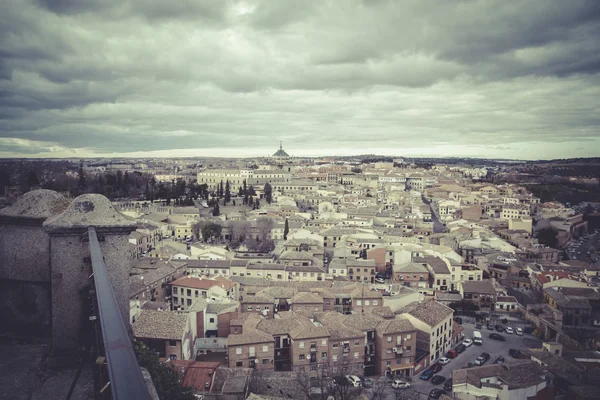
(493, 347)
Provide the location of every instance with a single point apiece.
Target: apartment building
(396, 346)
(481, 293)
(251, 349)
(307, 303)
(361, 270)
(439, 273)
(435, 320)
(411, 274)
(463, 273)
(186, 290)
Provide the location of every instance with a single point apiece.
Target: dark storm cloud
(115, 76)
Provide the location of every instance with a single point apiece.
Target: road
(438, 227)
(493, 347)
(591, 244)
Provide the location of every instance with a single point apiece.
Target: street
(438, 227)
(493, 347)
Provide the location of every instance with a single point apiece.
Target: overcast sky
(506, 78)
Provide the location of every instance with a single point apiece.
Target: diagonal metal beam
(126, 380)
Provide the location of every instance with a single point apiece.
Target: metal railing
(126, 380)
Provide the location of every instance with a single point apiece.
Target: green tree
(251, 201)
(286, 229)
(32, 179)
(220, 190)
(165, 378)
(251, 191)
(216, 212)
(211, 231)
(81, 181)
(227, 193)
(548, 237)
(268, 192)
(245, 191)
(256, 204)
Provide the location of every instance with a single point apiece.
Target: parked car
(499, 328)
(400, 384)
(519, 331)
(353, 380)
(458, 320)
(499, 360)
(496, 336)
(467, 342)
(379, 280)
(366, 382)
(448, 385)
(478, 326)
(452, 353)
(514, 353)
(435, 368)
(490, 327)
(509, 330)
(437, 380)
(444, 360)
(436, 394)
(460, 348)
(482, 359)
(426, 375)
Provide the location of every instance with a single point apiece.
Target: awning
(399, 367)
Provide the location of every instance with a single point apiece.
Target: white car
(353, 380)
(509, 330)
(400, 384)
(444, 360)
(519, 331)
(467, 342)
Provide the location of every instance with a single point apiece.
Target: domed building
(280, 154)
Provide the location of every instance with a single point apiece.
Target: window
(239, 364)
(358, 302)
(196, 293)
(173, 357)
(335, 345)
(235, 330)
(301, 345)
(324, 354)
(357, 342)
(252, 350)
(189, 302)
(356, 354)
(375, 302)
(408, 348)
(265, 348)
(212, 320)
(238, 350)
(174, 290)
(203, 293)
(388, 363)
(399, 340)
(249, 308)
(389, 339)
(189, 292)
(265, 361)
(324, 342)
(408, 337)
(172, 343)
(301, 357)
(367, 303)
(334, 357)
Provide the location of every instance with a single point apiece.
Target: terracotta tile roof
(430, 311)
(160, 325)
(249, 336)
(306, 298)
(199, 283)
(196, 374)
(395, 326)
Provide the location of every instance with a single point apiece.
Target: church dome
(281, 153)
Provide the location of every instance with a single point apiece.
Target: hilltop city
(306, 278)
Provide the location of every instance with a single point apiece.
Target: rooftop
(160, 325)
(480, 287)
(429, 311)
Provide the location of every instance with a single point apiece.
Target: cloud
(508, 79)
